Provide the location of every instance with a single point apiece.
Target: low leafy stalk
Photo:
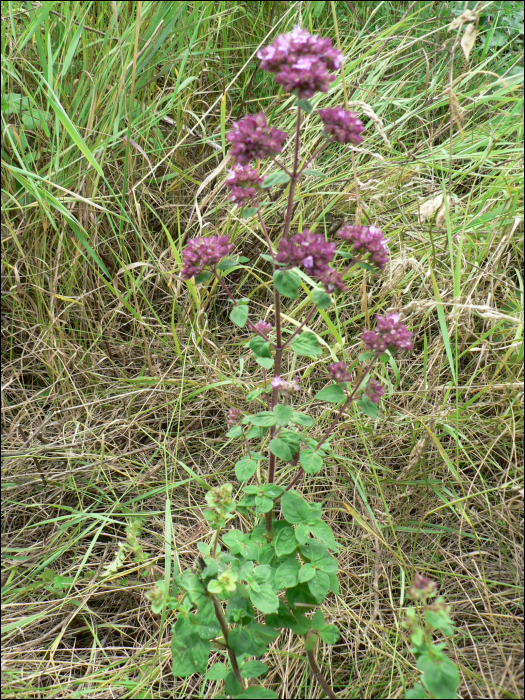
(249, 585)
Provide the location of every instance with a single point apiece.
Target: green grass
(118, 375)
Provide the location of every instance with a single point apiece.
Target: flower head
(204, 252)
(309, 250)
(367, 240)
(374, 390)
(284, 387)
(234, 415)
(331, 280)
(244, 183)
(263, 327)
(391, 333)
(301, 62)
(252, 138)
(338, 372)
(341, 126)
(422, 587)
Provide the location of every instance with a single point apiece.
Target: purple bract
(331, 280)
(367, 240)
(391, 334)
(252, 138)
(341, 126)
(244, 183)
(338, 372)
(234, 415)
(285, 387)
(204, 252)
(263, 327)
(374, 390)
(309, 250)
(301, 62)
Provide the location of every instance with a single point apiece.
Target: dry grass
(116, 388)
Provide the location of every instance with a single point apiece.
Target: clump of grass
(118, 376)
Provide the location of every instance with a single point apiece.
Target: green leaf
(416, 693)
(283, 414)
(260, 347)
(305, 106)
(265, 599)
(266, 362)
(318, 620)
(285, 542)
(323, 533)
(294, 508)
(441, 679)
(239, 315)
(320, 299)
(302, 419)
(253, 669)
(440, 620)
(366, 266)
(306, 344)
(332, 393)
(329, 634)
(217, 672)
(203, 277)
(368, 407)
(291, 438)
(245, 469)
(310, 641)
(264, 419)
(232, 685)
(257, 692)
(264, 504)
(255, 432)
(314, 173)
(306, 573)
(311, 462)
(287, 573)
(287, 282)
(227, 264)
(266, 257)
(280, 449)
(239, 640)
(365, 356)
(319, 586)
(234, 432)
(254, 394)
(278, 178)
(248, 212)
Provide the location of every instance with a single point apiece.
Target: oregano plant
(250, 584)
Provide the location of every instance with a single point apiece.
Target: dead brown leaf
(469, 39)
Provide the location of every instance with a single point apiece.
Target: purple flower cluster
(338, 372)
(374, 390)
(310, 250)
(204, 252)
(422, 588)
(284, 387)
(252, 138)
(391, 333)
(314, 253)
(341, 126)
(367, 240)
(234, 416)
(263, 327)
(301, 62)
(244, 183)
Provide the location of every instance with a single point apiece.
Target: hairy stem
(225, 632)
(294, 178)
(319, 676)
